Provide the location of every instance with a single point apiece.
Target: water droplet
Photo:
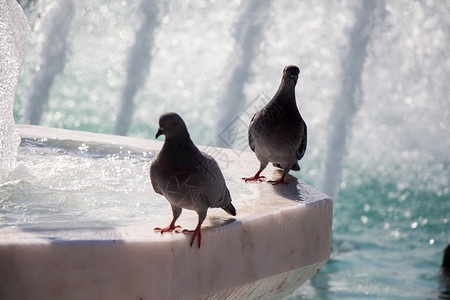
(404, 196)
(392, 195)
(364, 219)
(395, 234)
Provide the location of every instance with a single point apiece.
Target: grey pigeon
(187, 177)
(277, 133)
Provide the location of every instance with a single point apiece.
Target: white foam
(13, 37)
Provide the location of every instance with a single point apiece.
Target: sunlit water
(73, 186)
(392, 210)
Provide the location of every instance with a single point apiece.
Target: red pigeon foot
(196, 233)
(275, 182)
(169, 228)
(256, 177)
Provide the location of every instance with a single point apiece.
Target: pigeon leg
(176, 211)
(196, 231)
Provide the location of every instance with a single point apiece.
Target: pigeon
(444, 274)
(277, 132)
(188, 178)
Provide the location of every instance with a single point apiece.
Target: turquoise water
(388, 235)
(392, 208)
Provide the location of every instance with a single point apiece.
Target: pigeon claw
(275, 182)
(254, 178)
(169, 228)
(196, 233)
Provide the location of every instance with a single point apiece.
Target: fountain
(75, 223)
(391, 162)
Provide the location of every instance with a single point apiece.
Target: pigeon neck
(178, 149)
(286, 91)
(182, 143)
(179, 139)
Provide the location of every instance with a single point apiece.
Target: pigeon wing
(301, 150)
(214, 189)
(251, 141)
(153, 178)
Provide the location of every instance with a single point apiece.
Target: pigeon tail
(295, 167)
(230, 209)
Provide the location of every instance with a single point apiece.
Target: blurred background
(373, 90)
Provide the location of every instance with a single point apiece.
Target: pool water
(78, 186)
(389, 232)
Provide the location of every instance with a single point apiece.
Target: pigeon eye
(172, 123)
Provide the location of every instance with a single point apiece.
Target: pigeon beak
(160, 131)
(294, 77)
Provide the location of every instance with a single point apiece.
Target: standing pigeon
(277, 133)
(187, 177)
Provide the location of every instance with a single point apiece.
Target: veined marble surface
(280, 237)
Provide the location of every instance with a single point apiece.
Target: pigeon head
(291, 73)
(172, 126)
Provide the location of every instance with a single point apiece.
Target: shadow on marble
(289, 190)
(220, 221)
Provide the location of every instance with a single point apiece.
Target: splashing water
(13, 37)
(138, 64)
(55, 27)
(347, 102)
(112, 187)
(248, 35)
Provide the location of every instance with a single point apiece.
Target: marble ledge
(279, 239)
